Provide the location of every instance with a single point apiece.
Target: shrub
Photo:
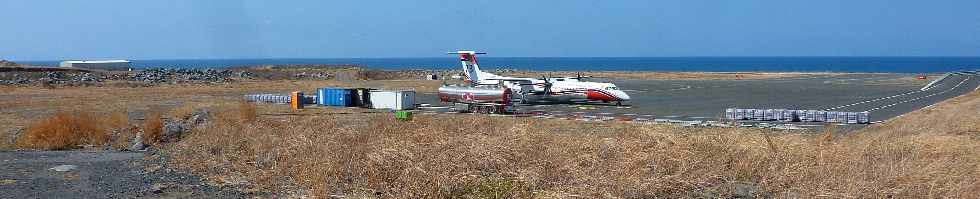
(63, 131)
(152, 128)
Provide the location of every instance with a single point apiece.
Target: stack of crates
(819, 116)
(789, 115)
(831, 116)
(778, 115)
(769, 114)
(268, 98)
(809, 116)
(864, 117)
(852, 118)
(785, 115)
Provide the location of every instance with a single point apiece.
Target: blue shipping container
(334, 97)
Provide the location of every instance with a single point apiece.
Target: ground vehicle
(478, 99)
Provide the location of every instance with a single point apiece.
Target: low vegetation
(927, 154)
(64, 130)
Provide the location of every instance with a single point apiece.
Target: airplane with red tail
(544, 89)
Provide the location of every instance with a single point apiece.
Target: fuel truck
(489, 99)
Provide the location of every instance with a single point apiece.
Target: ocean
(706, 64)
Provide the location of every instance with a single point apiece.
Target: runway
(885, 96)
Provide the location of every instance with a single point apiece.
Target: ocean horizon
(673, 64)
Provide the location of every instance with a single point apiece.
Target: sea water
(712, 64)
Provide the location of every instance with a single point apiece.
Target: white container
(394, 100)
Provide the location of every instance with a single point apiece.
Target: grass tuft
(63, 130)
(152, 128)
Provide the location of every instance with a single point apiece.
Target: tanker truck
(488, 99)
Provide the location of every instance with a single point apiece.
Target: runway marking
(918, 98)
(894, 96)
(874, 100)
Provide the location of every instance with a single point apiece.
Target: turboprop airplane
(544, 89)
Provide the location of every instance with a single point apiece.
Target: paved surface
(98, 175)
(883, 95)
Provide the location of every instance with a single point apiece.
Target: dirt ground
(102, 174)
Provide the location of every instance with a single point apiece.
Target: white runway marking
(889, 97)
(918, 98)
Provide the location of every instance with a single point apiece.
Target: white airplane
(545, 89)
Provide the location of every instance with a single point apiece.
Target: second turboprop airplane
(545, 89)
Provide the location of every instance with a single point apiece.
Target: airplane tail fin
(470, 67)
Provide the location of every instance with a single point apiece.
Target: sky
(197, 29)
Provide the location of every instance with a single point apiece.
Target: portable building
(111, 65)
(730, 114)
(395, 100)
(296, 100)
(334, 97)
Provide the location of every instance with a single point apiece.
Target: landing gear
(619, 103)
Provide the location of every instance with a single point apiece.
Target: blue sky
(174, 29)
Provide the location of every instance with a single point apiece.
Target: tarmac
(885, 96)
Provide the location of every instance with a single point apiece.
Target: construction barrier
(787, 115)
(268, 98)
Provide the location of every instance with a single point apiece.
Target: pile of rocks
(161, 75)
(175, 129)
(52, 78)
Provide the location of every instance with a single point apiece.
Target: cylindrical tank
(474, 94)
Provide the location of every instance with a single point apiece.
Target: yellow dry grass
(63, 131)
(927, 154)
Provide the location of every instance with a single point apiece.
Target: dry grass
(63, 131)
(247, 111)
(927, 154)
(152, 128)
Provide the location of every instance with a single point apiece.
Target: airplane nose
(622, 95)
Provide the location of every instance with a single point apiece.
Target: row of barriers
(787, 115)
(278, 98)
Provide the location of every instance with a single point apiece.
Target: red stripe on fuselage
(596, 94)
